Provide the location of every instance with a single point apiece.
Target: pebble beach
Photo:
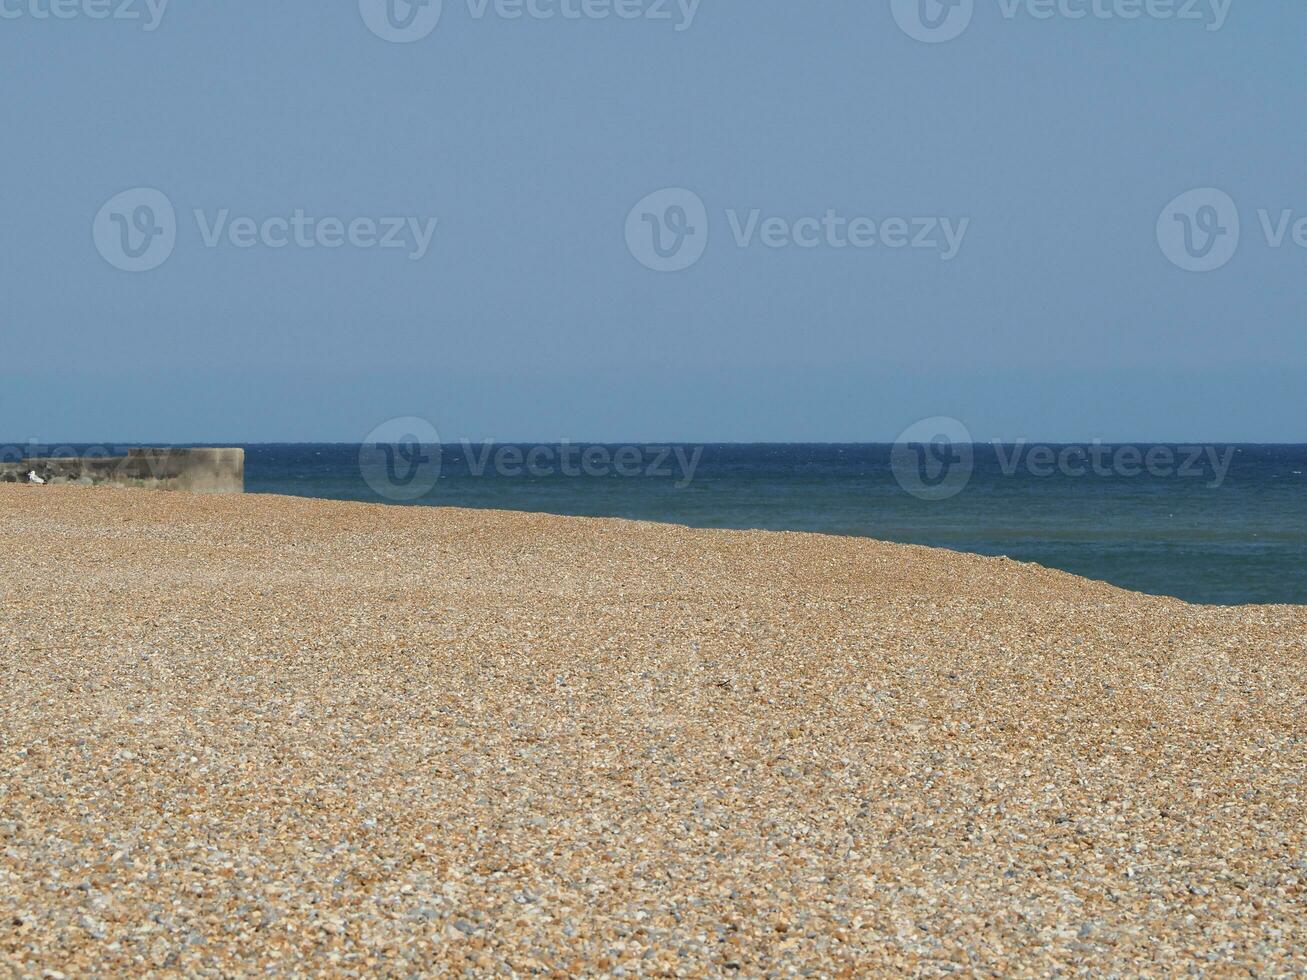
(263, 735)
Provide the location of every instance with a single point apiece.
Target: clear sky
(530, 316)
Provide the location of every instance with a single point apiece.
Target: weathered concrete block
(189, 470)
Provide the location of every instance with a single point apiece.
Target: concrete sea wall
(191, 470)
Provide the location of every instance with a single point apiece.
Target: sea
(1214, 523)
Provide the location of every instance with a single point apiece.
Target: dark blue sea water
(1226, 526)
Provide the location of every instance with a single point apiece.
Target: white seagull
(33, 478)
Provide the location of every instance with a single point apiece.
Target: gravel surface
(265, 735)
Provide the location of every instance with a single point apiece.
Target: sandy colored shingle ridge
(268, 735)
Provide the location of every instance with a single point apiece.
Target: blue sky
(529, 141)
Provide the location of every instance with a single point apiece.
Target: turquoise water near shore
(1199, 532)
